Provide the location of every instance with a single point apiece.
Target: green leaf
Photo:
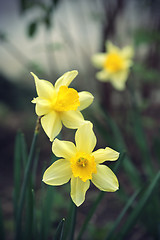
(73, 221)
(59, 231)
(55, 2)
(32, 28)
(146, 36)
(139, 134)
(24, 186)
(17, 171)
(24, 150)
(147, 75)
(98, 200)
(47, 212)
(118, 143)
(137, 211)
(3, 37)
(2, 232)
(68, 231)
(35, 164)
(110, 234)
(156, 147)
(141, 141)
(29, 223)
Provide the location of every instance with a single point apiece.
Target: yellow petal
(51, 124)
(42, 106)
(127, 52)
(58, 173)
(105, 179)
(103, 76)
(98, 59)
(85, 138)
(78, 190)
(85, 98)
(119, 85)
(72, 119)
(110, 47)
(64, 149)
(34, 100)
(44, 88)
(119, 80)
(107, 154)
(65, 79)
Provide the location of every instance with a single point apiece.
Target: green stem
(73, 221)
(2, 233)
(110, 235)
(137, 211)
(25, 181)
(59, 231)
(97, 201)
(90, 214)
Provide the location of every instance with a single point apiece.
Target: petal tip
(32, 74)
(33, 100)
(75, 71)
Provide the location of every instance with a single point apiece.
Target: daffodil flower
(115, 64)
(60, 104)
(80, 164)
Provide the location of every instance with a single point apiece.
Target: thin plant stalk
(97, 201)
(25, 181)
(73, 222)
(121, 215)
(59, 231)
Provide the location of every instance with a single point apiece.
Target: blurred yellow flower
(115, 64)
(60, 104)
(81, 164)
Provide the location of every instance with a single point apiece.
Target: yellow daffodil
(60, 104)
(115, 64)
(81, 164)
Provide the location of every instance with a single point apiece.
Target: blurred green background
(50, 37)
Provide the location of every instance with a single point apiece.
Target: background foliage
(49, 38)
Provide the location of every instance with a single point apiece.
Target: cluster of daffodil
(78, 163)
(115, 64)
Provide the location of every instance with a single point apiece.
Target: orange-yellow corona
(80, 164)
(60, 104)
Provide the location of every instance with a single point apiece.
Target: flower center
(113, 62)
(67, 99)
(83, 165)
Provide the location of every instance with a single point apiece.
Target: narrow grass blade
(68, 223)
(17, 171)
(129, 167)
(141, 141)
(59, 231)
(29, 213)
(139, 134)
(24, 186)
(98, 200)
(2, 232)
(46, 213)
(133, 217)
(24, 150)
(152, 209)
(73, 222)
(90, 214)
(115, 139)
(110, 234)
(156, 147)
(35, 164)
